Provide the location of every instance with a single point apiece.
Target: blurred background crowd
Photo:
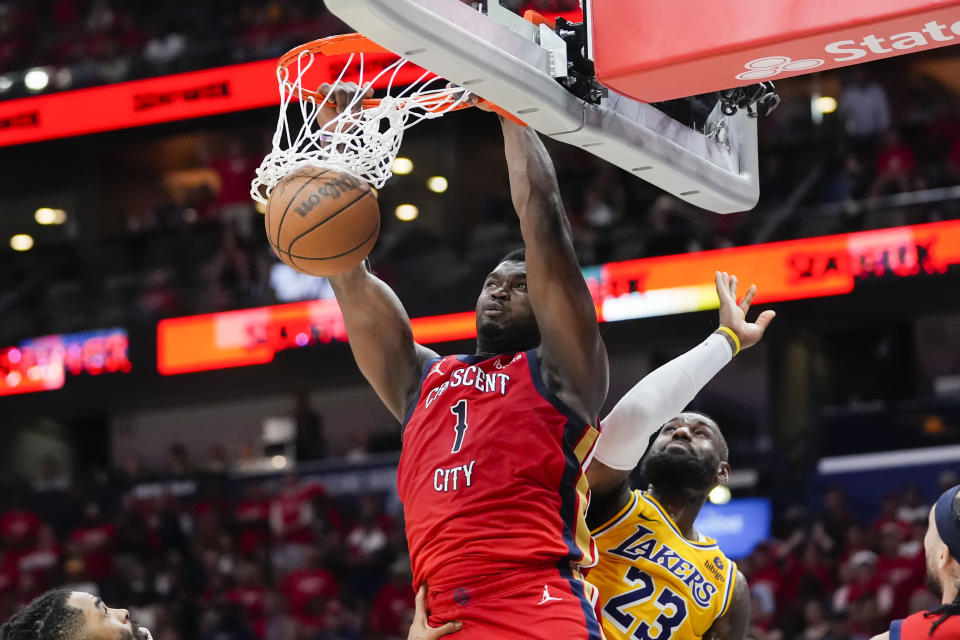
(200, 553)
(159, 493)
(171, 226)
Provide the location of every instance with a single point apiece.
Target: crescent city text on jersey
(471, 376)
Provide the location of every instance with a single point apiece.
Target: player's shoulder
(921, 625)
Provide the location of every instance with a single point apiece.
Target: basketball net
(365, 137)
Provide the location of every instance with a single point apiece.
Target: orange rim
(352, 43)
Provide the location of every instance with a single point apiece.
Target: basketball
(322, 221)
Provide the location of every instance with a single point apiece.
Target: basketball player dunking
(657, 576)
(494, 443)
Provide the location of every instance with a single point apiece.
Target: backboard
(520, 66)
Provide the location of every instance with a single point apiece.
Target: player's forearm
(533, 185)
(381, 337)
(659, 396)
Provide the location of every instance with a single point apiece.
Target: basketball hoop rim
(357, 43)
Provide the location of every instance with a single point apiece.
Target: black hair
(517, 255)
(49, 617)
(953, 608)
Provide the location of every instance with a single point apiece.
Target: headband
(943, 516)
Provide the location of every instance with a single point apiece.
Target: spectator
(93, 542)
(860, 581)
(308, 590)
(311, 442)
(393, 608)
(896, 167)
(864, 106)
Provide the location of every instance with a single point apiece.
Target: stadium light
(437, 184)
(47, 216)
(402, 166)
(407, 212)
(36, 79)
(278, 462)
(5, 83)
(825, 104)
(21, 242)
(720, 495)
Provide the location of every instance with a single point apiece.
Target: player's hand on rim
(421, 629)
(339, 98)
(734, 315)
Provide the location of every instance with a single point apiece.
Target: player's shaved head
(688, 456)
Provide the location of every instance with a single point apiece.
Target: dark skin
(542, 303)
(693, 435)
(688, 432)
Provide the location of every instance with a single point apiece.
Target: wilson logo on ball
(333, 188)
(775, 65)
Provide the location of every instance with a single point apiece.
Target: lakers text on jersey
(654, 583)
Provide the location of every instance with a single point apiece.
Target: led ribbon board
(792, 270)
(41, 364)
(165, 99)
(180, 96)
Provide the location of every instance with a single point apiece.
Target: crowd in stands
(198, 247)
(200, 555)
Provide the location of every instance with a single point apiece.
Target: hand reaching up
(734, 316)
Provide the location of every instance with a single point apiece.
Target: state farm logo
(775, 65)
(144, 101)
(858, 46)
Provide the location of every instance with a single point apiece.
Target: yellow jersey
(653, 583)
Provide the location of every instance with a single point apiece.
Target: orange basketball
(322, 221)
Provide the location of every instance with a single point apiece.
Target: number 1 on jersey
(459, 410)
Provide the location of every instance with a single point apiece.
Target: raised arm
(380, 337)
(574, 359)
(377, 324)
(664, 393)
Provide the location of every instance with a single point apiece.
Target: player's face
(102, 622)
(504, 315)
(687, 454)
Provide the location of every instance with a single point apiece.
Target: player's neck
(488, 350)
(950, 590)
(682, 505)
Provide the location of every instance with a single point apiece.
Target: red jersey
(917, 627)
(492, 472)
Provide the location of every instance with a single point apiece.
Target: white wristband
(661, 395)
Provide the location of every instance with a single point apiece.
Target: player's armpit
(604, 479)
(573, 353)
(734, 623)
(609, 493)
(381, 337)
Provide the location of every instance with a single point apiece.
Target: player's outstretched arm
(664, 393)
(734, 623)
(572, 351)
(381, 337)
(380, 334)
(421, 629)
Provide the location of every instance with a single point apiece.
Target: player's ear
(723, 473)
